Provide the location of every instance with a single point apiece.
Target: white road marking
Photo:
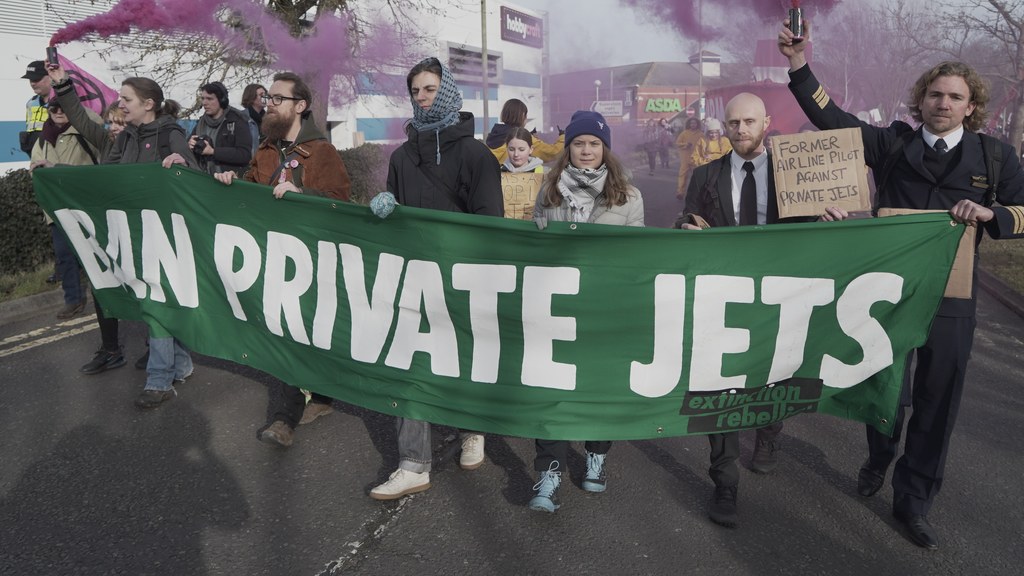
(47, 339)
(45, 329)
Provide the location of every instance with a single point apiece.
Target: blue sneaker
(596, 480)
(546, 499)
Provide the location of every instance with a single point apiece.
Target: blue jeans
(168, 361)
(68, 269)
(414, 451)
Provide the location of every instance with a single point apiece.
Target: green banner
(574, 332)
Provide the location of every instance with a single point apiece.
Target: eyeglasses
(56, 109)
(277, 99)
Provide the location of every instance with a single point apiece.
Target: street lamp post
(597, 90)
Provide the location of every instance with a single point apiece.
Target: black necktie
(940, 146)
(748, 196)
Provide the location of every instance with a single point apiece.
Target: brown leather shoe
(277, 433)
(71, 310)
(313, 411)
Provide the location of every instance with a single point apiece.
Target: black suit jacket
(710, 195)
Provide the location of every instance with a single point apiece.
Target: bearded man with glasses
(296, 157)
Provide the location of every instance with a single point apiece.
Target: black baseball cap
(36, 71)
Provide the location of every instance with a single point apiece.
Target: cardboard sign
(815, 170)
(520, 192)
(961, 277)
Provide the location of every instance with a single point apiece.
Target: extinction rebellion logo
(736, 409)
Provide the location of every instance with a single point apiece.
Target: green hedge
(367, 166)
(25, 242)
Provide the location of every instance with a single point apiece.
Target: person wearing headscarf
(441, 166)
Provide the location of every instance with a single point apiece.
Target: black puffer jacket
(232, 146)
(468, 171)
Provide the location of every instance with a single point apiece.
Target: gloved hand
(561, 132)
(383, 204)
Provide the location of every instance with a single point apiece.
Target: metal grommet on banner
(244, 356)
(394, 404)
(660, 429)
(952, 222)
(177, 173)
(884, 421)
(333, 205)
(572, 226)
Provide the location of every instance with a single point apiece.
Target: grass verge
(14, 286)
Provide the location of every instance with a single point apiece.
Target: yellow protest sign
(520, 192)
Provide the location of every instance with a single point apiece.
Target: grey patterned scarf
(580, 189)
(444, 112)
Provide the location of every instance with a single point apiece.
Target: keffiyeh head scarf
(444, 112)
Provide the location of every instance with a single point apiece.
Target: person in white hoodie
(519, 144)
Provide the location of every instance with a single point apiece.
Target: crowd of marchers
(725, 179)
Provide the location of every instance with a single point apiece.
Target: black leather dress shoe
(869, 480)
(921, 532)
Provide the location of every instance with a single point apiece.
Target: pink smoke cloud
(143, 15)
(682, 14)
(324, 52)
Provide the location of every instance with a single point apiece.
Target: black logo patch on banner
(745, 408)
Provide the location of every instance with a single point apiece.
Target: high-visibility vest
(36, 113)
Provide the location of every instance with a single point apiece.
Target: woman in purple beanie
(588, 184)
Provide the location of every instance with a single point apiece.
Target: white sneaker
(401, 483)
(472, 452)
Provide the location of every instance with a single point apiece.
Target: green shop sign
(663, 105)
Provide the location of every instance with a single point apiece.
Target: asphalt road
(90, 485)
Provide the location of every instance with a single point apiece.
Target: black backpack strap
(85, 146)
(297, 180)
(712, 186)
(993, 152)
(163, 143)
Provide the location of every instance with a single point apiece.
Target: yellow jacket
(708, 150)
(541, 149)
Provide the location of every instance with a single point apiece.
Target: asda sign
(663, 105)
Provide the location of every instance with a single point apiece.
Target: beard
(276, 126)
